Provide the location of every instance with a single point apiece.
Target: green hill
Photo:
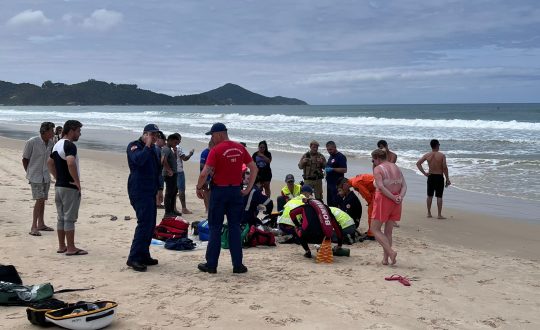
(234, 94)
(93, 92)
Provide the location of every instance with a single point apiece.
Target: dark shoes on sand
(141, 266)
(237, 270)
(204, 268)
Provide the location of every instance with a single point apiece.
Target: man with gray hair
(35, 155)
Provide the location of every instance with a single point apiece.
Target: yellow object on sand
(325, 254)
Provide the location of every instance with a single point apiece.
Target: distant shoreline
(94, 92)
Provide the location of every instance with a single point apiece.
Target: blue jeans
(224, 201)
(145, 208)
(181, 181)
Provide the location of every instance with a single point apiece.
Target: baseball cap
(151, 128)
(307, 188)
(217, 127)
(289, 178)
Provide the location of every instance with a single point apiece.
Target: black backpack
(8, 273)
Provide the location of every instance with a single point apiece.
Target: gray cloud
(369, 51)
(29, 17)
(103, 19)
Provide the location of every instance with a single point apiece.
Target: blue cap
(151, 128)
(306, 188)
(217, 127)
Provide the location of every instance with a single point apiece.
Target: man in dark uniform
(224, 164)
(143, 184)
(335, 169)
(348, 201)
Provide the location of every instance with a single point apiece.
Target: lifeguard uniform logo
(233, 154)
(227, 158)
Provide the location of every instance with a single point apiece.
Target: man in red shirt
(224, 164)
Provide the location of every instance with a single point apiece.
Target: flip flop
(401, 279)
(61, 251)
(394, 277)
(34, 233)
(46, 228)
(77, 253)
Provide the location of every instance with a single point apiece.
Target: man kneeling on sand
(317, 224)
(391, 189)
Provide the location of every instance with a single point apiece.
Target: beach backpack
(257, 236)
(36, 313)
(244, 230)
(8, 273)
(171, 227)
(204, 231)
(12, 294)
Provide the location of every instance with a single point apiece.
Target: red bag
(171, 227)
(257, 236)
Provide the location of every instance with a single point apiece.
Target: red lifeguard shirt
(227, 158)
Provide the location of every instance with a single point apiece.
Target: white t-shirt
(179, 161)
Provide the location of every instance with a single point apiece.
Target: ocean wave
(360, 121)
(273, 119)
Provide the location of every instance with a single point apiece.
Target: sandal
(35, 233)
(46, 228)
(401, 279)
(79, 252)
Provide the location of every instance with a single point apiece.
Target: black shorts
(435, 183)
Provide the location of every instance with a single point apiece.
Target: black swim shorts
(435, 183)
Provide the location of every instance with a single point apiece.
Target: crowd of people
(234, 184)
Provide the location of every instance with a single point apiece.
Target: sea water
(490, 148)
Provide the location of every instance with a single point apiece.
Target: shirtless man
(390, 156)
(390, 191)
(435, 182)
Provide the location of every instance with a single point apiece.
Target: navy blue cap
(151, 128)
(306, 188)
(217, 127)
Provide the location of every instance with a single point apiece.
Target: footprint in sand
(255, 307)
(453, 278)
(493, 322)
(282, 322)
(375, 302)
(484, 282)
(100, 215)
(438, 323)
(14, 316)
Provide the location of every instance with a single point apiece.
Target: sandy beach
(471, 271)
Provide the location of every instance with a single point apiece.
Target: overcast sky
(324, 52)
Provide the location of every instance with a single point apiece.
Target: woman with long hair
(262, 157)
